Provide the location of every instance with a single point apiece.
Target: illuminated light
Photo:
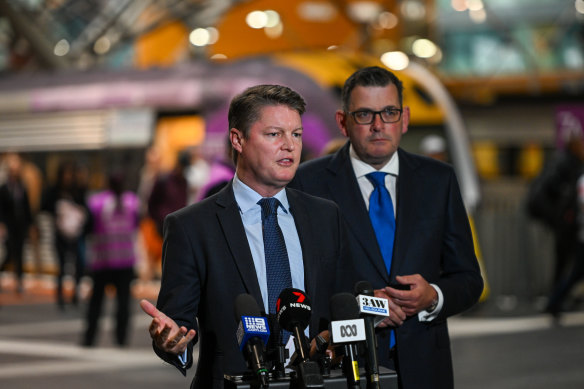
(315, 11)
(364, 11)
(475, 5)
(478, 16)
(256, 19)
(61, 48)
(459, 5)
(332, 47)
(218, 57)
(387, 20)
(413, 10)
(424, 48)
(395, 60)
(273, 18)
(579, 5)
(213, 35)
(199, 37)
(436, 58)
(102, 45)
(274, 32)
(573, 58)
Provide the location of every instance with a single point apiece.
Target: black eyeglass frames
(367, 116)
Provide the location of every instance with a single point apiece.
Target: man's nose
(377, 123)
(288, 143)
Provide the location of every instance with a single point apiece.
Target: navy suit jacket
(433, 239)
(207, 263)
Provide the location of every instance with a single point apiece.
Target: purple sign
(569, 123)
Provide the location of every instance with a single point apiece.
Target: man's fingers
(180, 341)
(154, 327)
(164, 333)
(396, 315)
(149, 308)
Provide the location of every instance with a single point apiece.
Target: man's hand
(396, 314)
(417, 298)
(165, 332)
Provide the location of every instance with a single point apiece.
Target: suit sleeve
(179, 295)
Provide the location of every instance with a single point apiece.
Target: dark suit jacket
(207, 263)
(15, 213)
(433, 238)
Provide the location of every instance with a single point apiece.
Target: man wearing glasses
(409, 234)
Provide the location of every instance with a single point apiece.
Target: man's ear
(341, 119)
(405, 119)
(236, 138)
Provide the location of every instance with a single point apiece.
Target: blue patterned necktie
(383, 221)
(277, 265)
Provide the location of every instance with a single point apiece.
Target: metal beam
(42, 48)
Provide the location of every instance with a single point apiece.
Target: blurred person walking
(170, 191)
(220, 174)
(565, 285)
(151, 241)
(15, 217)
(552, 200)
(197, 173)
(70, 215)
(115, 220)
(32, 177)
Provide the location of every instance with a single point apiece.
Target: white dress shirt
(361, 170)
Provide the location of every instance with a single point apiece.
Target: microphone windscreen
(245, 305)
(293, 308)
(363, 287)
(344, 307)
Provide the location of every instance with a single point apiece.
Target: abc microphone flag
(349, 330)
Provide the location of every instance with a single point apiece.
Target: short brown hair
(246, 107)
(370, 76)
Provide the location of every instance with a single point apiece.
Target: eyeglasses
(367, 116)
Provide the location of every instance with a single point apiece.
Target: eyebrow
(282, 129)
(371, 109)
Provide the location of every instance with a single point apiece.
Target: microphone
(371, 308)
(253, 333)
(347, 329)
(293, 312)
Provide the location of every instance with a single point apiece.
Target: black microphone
(293, 311)
(370, 308)
(347, 329)
(252, 335)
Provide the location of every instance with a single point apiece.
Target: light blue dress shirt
(251, 215)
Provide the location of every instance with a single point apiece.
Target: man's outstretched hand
(167, 335)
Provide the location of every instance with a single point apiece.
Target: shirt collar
(361, 168)
(247, 198)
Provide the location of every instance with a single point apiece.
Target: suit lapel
(307, 237)
(344, 190)
(407, 197)
(232, 226)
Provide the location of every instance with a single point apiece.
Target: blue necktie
(277, 265)
(383, 221)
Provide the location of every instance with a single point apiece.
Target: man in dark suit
(15, 217)
(213, 251)
(432, 255)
